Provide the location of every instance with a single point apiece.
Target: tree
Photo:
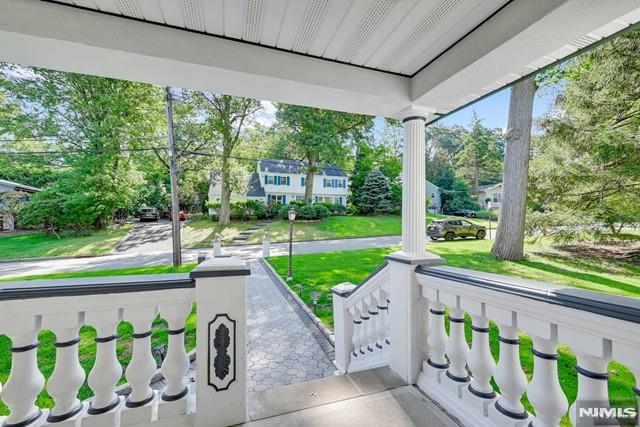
(376, 194)
(93, 122)
(443, 143)
(479, 161)
(587, 161)
(221, 119)
(509, 243)
(319, 137)
(455, 193)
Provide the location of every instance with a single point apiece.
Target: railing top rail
(371, 276)
(615, 306)
(93, 286)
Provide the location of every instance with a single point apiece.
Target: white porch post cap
(427, 258)
(343, 289)
(220, 267)
(415, 111)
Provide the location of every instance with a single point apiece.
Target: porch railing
(361, 322)
(64, 306)
(598, 328)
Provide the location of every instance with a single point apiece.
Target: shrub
(492, 215)
(338, 209)
(307, 212)
(321, 211)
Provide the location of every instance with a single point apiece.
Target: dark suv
(451, 228)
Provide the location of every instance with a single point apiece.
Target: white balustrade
(596, 333)
(22, 319)
(361, 323)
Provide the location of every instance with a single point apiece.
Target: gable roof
(295, 167)
(19, 187)
(255, 188)
(483, 188)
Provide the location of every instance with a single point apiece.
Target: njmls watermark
(598, 413)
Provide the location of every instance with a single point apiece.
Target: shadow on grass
(588, 277)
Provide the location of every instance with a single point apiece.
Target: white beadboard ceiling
(397, 36)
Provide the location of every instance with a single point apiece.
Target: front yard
(319, 272)
(37, 245)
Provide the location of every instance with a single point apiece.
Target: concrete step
(373, 398)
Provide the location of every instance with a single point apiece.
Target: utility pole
(173, 171)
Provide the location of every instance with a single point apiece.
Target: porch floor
(372, 398)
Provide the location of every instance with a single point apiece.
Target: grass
(198, 233)
(37, 245)
(87, 345)
(319, 272)
(202, 232)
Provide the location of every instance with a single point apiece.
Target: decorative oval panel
(221, 369)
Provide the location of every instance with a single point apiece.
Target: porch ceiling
(379, 57)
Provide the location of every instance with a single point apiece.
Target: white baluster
(139, 404)
(372, 315)
(68, 375)
(384, 296)
(544, 391)
(364, 317)
(355, 340)
(481, 363)
(510, 378)
(381, 323)
(176, 363)
(106, 371)
(457, 348)
(25, 380)
(437, 340)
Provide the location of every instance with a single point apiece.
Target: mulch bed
(625, 251)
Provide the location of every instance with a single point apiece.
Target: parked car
(465, 213)
(149, 214)
(451, 228)
(182, 215)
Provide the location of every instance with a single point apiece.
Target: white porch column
(413, 186)
(407, 314)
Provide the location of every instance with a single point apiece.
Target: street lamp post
(292, 217)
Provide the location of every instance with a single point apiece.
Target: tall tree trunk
(224, 214)
(308, 181)
(509, 244)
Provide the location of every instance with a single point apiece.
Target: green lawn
(199, 233)
(319, 272)
(87, 346)
(35, 245)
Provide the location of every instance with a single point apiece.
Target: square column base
(71, 422)
(140, 414)
(173, 408)
(108, 419)
(479, 404)
(502, 420)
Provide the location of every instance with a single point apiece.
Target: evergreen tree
(376, 193)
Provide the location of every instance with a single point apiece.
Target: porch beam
(37, 33)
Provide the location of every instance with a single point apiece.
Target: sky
(494, 109)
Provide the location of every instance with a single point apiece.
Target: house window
(496, 198)
(273, 199)
(269, 179)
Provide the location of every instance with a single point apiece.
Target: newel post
(221, 363)
(342, 325)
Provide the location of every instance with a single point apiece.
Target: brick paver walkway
(285, 347)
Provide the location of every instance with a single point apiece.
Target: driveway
(146, 237)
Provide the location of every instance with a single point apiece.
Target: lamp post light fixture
(315, 297)
(292, 217)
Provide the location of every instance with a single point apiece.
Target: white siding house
(433, 197)
(490, 196)
(283, 181)
(6, 218)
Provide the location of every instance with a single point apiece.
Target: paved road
(125, 260)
